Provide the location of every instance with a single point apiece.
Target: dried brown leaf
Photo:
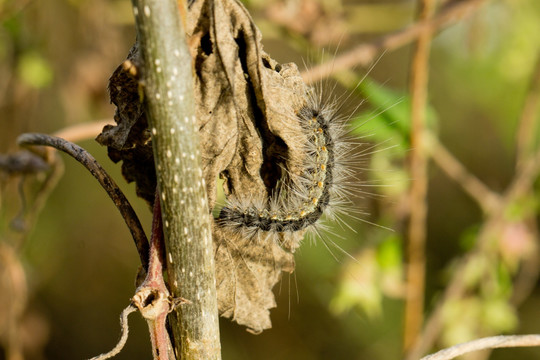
(245, 102)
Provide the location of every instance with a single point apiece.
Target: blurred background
(65, 277)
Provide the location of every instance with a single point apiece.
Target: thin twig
(364, 54)
(152, 297)
(522, 183)
(529, 114)
(414, 303)
(477, 190)
(494, 342)
(114, 192)
(125, 330)
(82, 131)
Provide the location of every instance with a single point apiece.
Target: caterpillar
(322, 188)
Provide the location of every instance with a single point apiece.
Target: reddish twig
(152, 297)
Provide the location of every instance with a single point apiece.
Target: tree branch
(168, 89)
(364, 54)
(114, 192)
(414, 304)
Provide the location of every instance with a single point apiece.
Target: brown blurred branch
(82, 131)
(494, 342)
(521, 185)
(415, 269)
(364, 54)
(114, 192)
(529, 115)
(477, 190)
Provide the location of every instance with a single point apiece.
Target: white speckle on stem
(175, 71)
(177, 160)
(166, 223)
(186, 120)
(185, 230)
(158, 69)
(176, 53)
(188, 239)
(191, 274)
(170, 258)
(183, 270)
(157, 62)
(135, 11)
(176, 178)
(173, 130)
(181, 97)
(154, 131)
(169, 153)
(169, 94)
(163, 197)
(192, 157)
(158, 96)
(146, 10)
(184, 154)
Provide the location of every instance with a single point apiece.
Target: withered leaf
(245, 105)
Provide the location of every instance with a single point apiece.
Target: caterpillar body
(299, 201)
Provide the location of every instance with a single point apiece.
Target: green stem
(168, 89)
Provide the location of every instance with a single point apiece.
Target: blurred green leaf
(389, 253)
(461, 320)
(359, 287)
(391, 117)
(34, 70)
(498, 316)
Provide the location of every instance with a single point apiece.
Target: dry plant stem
(123, 338)
(45, 189)
(493, 342)
(168, 89)
(114, 192)
(529, 115)
(415, 271)
(364, 54)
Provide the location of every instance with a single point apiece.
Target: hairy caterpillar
(300, 200)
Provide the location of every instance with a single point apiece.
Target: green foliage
(34, 70)
(376, 273)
